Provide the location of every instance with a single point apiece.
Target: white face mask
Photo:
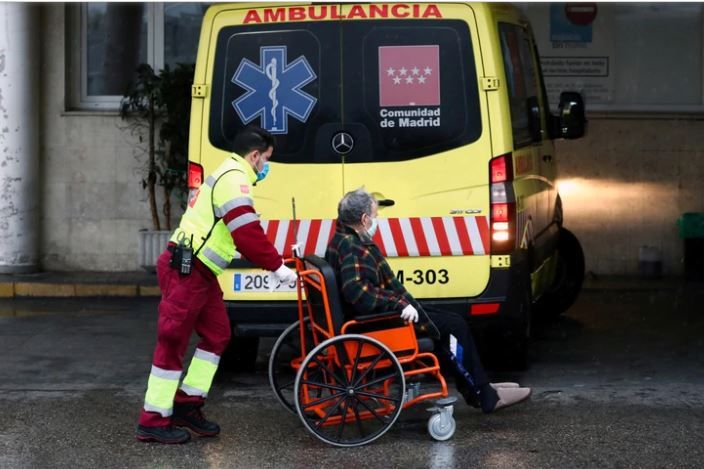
(372, 229)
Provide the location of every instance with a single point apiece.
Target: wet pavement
(618, 382)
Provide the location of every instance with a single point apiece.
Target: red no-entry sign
(581, 14)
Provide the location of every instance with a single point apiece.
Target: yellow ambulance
(438, 109)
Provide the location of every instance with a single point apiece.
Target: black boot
(167, 435)
(191, 417)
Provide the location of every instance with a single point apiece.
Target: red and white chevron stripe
(396, 237)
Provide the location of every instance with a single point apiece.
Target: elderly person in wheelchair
(367, 285)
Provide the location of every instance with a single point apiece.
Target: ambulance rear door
(284, 77)
(413, 115)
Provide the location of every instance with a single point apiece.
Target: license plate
(258, 282)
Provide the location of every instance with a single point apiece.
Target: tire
(516, 342)
(345, 398)
(241, 354)
(517, 357)
(286, 350)
(569, 275)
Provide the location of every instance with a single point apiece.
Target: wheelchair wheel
(285, 353)
(349, 390)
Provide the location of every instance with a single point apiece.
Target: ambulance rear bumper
(506, 288)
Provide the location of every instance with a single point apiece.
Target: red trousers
(188, 303)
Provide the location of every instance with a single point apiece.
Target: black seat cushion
(314, 262)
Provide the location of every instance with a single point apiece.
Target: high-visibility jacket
(220, 218)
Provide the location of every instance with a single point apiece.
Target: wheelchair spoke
(324, 385)
(376, 381)
(286, 356)
(374, 413)
(324, 399)
(369, 368)
(341, 427)
(290, 347)
(289, 384)
(329, 371)
(329, 412)
(378, 396)
(356, 362)
(358, 418)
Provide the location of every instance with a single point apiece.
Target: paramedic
(367, 283)
(219, 219)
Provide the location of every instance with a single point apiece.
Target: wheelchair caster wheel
(441, 426)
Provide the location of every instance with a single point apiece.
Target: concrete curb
(73, 290)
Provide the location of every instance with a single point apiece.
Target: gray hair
(353, 205)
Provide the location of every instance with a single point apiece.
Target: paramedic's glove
(285, 275)
(409, 313)
(297, 250)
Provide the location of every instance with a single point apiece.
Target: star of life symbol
(409, 75)
(274, 89)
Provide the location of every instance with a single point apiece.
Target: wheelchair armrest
(376, 316)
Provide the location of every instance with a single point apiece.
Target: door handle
(386, 202)
(547, 158)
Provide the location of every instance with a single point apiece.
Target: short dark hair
(252, 138)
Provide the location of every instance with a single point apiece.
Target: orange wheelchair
(348, 380)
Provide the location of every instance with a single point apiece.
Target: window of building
(182, 22)
(114, 38)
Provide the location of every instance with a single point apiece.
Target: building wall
(91, 194)
(623, 186)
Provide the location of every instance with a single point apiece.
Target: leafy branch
(157, 107)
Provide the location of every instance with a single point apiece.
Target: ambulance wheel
(240, 355)
(508, 346)
(516, 357)
(569, 275)
(284, 355)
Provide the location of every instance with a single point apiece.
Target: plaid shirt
(364, 278)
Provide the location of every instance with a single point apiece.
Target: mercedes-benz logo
(342, 143)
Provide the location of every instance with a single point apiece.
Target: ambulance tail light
(482, 309)
(195, 175)
(503, 205)
(500, 167)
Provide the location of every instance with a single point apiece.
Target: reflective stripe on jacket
(222, 213)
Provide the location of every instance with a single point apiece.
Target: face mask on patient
(372, 229)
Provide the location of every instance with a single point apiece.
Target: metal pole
(20, 188)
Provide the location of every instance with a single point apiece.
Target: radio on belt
(182, 258)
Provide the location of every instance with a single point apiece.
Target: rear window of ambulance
(401, 89)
